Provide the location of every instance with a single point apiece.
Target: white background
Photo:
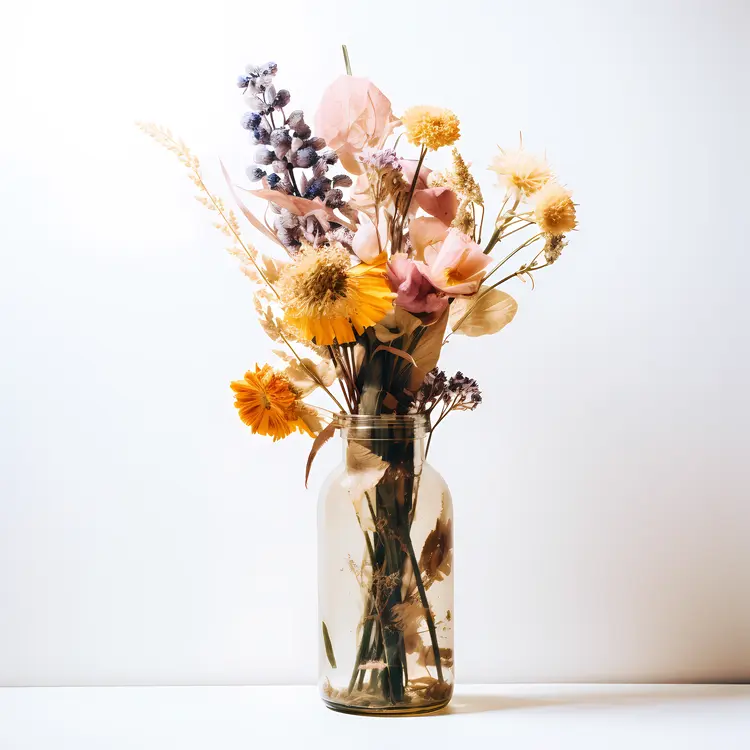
(601, 491)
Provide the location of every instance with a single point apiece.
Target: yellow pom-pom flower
(554, 210)
(431, 127)
(268, 403)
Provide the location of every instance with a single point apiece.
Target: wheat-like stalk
(228, 225)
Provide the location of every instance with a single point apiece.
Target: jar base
(402, 710)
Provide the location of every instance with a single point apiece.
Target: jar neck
(392, 436)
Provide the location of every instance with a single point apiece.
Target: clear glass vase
(385, 583)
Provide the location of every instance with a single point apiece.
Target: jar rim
(356, 421)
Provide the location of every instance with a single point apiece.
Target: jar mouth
(382, 426)
(345, 421)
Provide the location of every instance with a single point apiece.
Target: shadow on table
(638, 695)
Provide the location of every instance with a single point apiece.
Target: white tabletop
(538, 717)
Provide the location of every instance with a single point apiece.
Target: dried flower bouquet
(382, 263)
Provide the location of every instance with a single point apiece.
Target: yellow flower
(326, 299)
(431, 127)
(554, 210)
(268, 403)
(520, 172)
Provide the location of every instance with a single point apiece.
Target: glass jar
(385, 583)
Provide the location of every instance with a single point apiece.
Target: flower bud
(316, 143)
(264, 156)
(255, 174)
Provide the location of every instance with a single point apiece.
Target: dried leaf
(328, 645)
(396, 323)
(427, 351)
(301, 206)
(306, 375)
(310, 415)
(246, 211)
(320, 440)
(397, 352)
(364, 469)
(488, 312)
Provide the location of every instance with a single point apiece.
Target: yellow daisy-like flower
(432, 127)
(268, 403)
(520, 172)
(554, 210)
(326, 299)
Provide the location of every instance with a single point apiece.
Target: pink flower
(424, 231)
(456, 266)
(353, 114)
(409, 169)
(440, 202)
(414, 292)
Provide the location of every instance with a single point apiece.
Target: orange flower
(268, 403)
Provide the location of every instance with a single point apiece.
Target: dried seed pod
(255, 174)
(264, 156)
(306, 157)
(317, 143)
(282, 99)
(296, 119)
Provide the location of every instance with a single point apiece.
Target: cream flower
(554, 210)
(522, 174)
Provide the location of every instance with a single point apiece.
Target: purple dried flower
(242, 82)
(334, 198)
(279, 166)
(296, 119)
(462, 393)
(251, 120)
(306, 157)
(317, 188)
(264, 156)
(381, 161)
(330, 157)
(255, 174)
(342, 235)
(281, 141)
(458, 392)
(282, 99)
(317, 143)
(273, 180)
(303, 132)
(288, 238)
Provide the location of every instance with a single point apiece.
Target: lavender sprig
(285, 143)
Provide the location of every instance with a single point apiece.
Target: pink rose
(353, 114)
(456, 266)
(414, 292)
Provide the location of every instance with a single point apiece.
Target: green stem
(346, 59)
(426, 605)
(497, 234)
